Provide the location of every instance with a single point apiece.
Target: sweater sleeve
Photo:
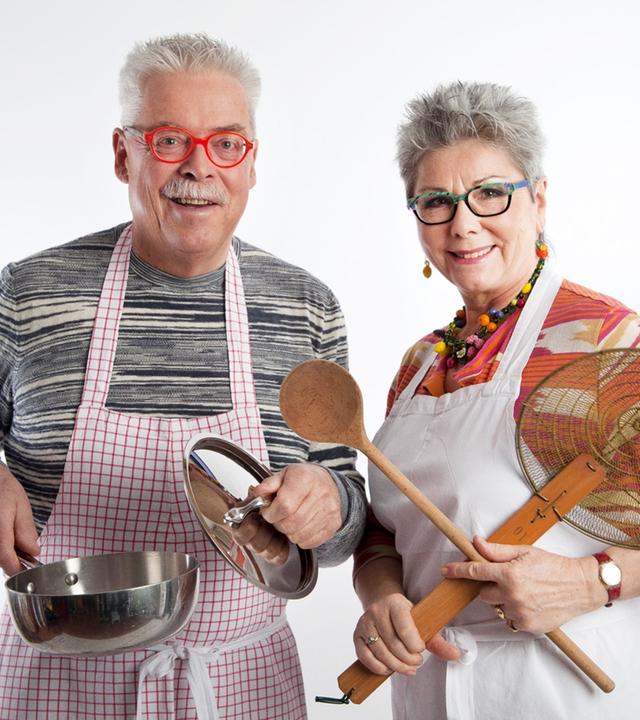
(378, 542)
(9, 351)
(338, 459)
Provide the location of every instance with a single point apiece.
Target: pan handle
(26, 560)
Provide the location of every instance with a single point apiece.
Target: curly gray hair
(195, 52)
(461, 110)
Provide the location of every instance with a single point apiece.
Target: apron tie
(459, 686)
(197, 659)
(464, 641)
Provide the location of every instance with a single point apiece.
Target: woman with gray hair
(470, 156)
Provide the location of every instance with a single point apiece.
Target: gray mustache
(190, 190)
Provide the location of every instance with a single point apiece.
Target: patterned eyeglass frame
(511, 187)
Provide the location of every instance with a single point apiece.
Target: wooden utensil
(451, 596)
(322, 402)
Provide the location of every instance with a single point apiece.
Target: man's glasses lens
(485, 200)
(227, 148)
(174, 145)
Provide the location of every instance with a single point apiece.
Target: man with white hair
(115, 349)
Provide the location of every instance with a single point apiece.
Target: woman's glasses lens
(484, 201)
(434, 207)
(490, 199)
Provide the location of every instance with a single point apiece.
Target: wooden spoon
(322, 402)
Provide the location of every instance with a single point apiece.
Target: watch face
(610, 574)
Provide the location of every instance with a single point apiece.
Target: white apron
(122, 490)
(459, 449)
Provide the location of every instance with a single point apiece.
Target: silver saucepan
(104, 604)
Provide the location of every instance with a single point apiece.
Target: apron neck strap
(529, 324)
(104, 338)
(106, 324)
(522, 341)
(238, 342)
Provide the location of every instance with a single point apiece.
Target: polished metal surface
(105, 604)
(218, 477)
(237, 515)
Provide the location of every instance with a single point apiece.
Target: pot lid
(218, 477)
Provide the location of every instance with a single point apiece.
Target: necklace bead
(459, 351)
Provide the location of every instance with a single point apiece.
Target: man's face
(178, 238)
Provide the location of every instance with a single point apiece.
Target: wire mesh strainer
(590, 405)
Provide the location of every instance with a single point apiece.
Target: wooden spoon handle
(449, 597)
(580, 659)
(437, 517)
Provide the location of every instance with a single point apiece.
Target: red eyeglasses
(225, 148)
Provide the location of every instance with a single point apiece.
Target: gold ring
(370, 639)
(500, 612)
(511, 626)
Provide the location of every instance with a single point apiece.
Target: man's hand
(17, 528)
(261, 537)
(306, 506)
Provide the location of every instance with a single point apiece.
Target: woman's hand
(387, 617)
(386, 638)
(538, 591)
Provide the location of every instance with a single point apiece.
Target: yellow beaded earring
(426, 270)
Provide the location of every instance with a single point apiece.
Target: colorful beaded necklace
(459, 351)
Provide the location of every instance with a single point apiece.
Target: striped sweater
(579, 321)
(171, 358)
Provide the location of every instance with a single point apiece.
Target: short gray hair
(481, 111)
(195, 52)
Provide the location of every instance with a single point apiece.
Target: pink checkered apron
(121, 491)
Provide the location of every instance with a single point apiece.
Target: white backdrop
(335, 79)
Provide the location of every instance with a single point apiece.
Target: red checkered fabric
(122, 490)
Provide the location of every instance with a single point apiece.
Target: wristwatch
(610, 576)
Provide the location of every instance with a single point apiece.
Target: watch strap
(613, 591)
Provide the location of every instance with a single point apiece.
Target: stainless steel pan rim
(136, 560)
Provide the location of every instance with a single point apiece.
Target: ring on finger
(500, 612)
(370, 639)
(511, 626)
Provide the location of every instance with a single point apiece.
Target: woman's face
(487, 258)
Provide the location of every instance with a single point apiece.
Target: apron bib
(459, 449)
(122, 490)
